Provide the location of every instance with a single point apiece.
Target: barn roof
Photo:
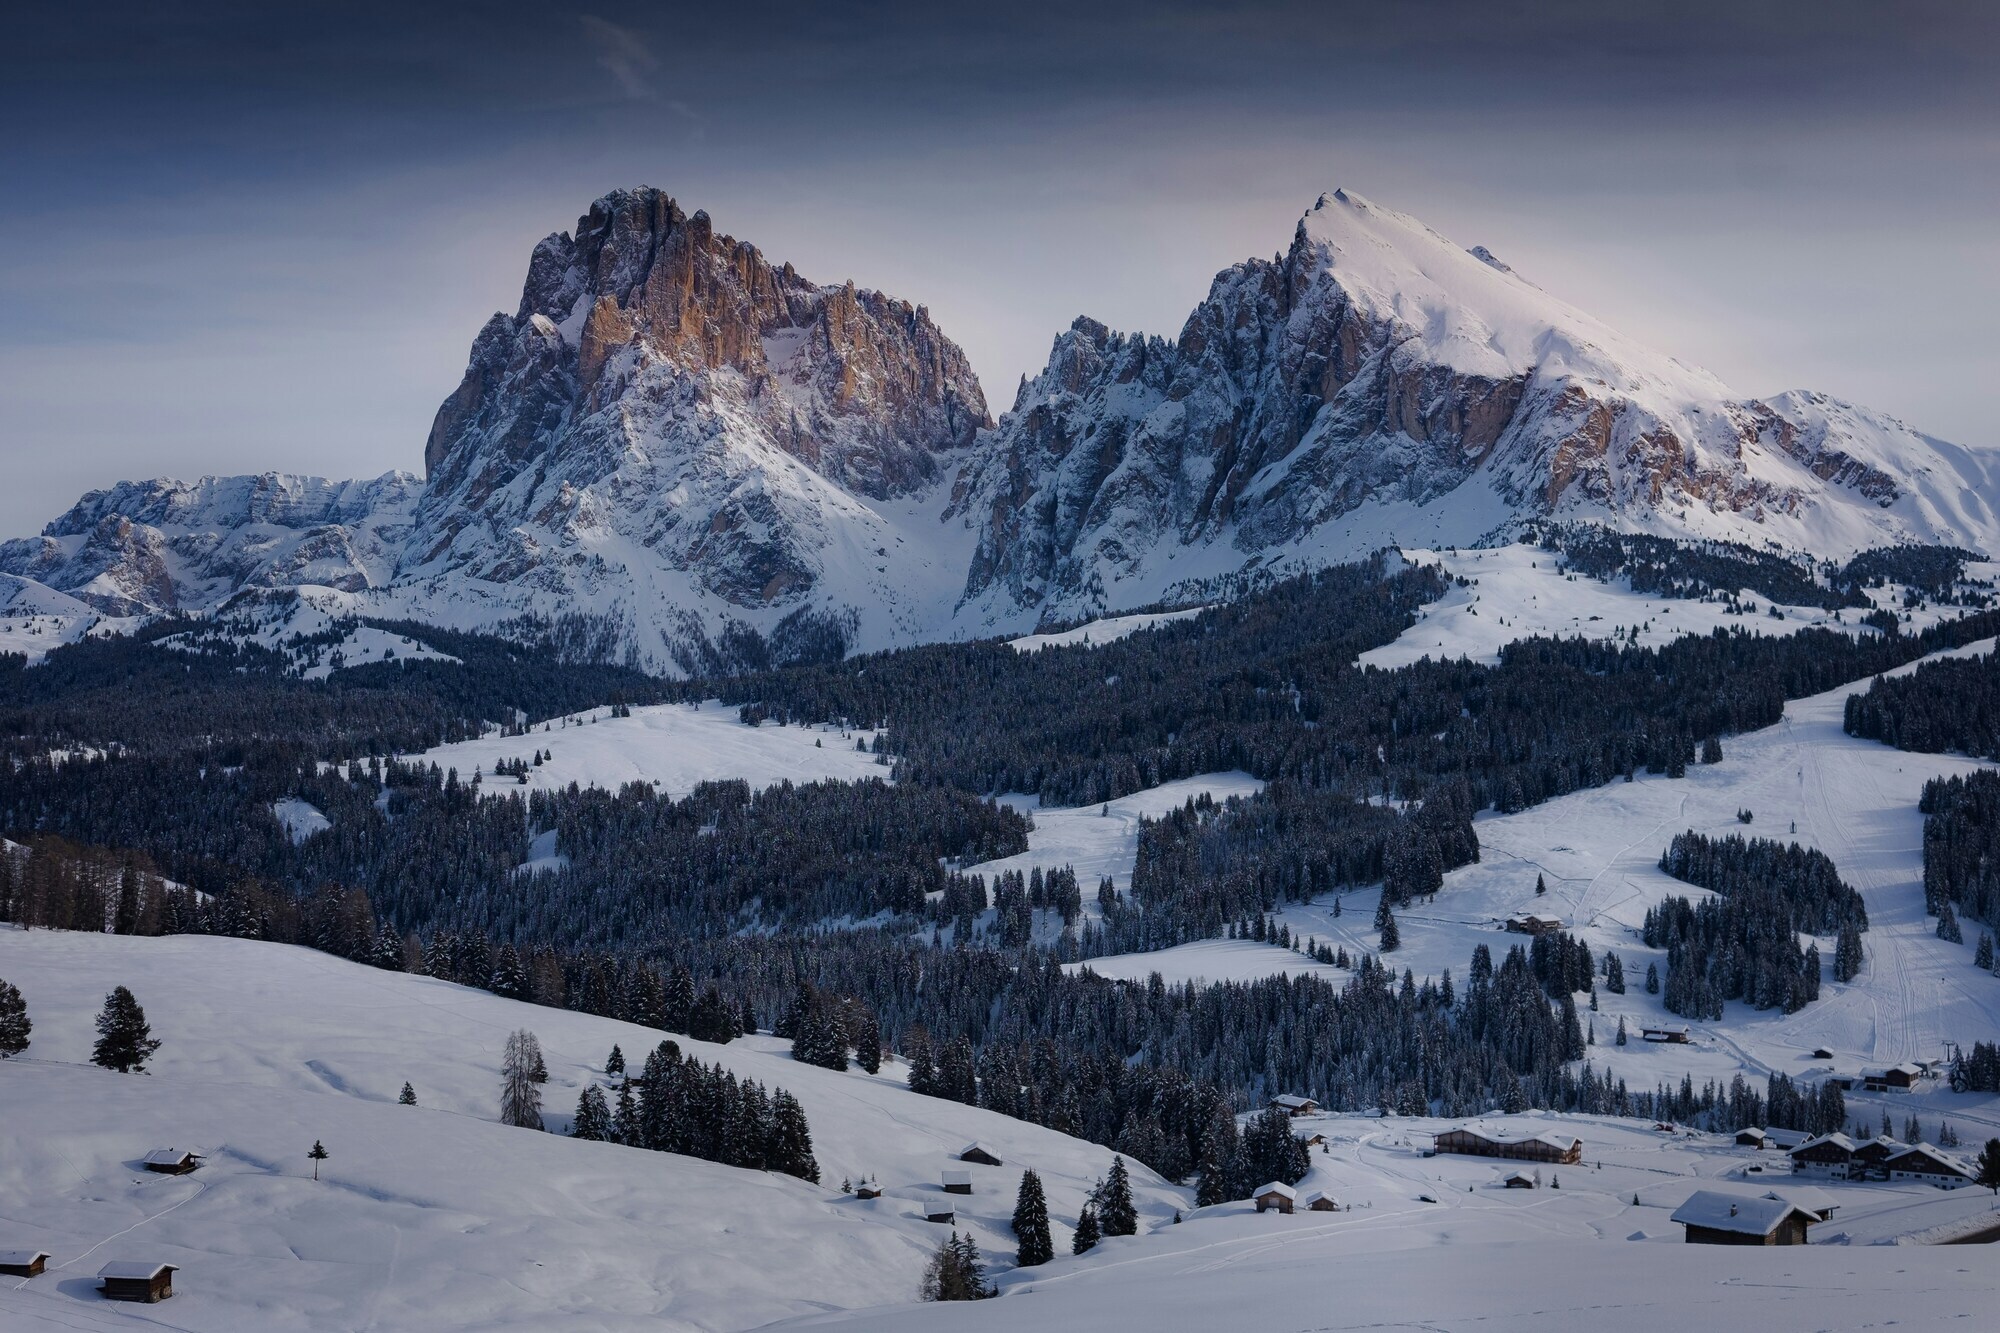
(1277, 1187)
(136, 1269)
(974, 1146)
(1836, 1140)
(1292, 1099)
(168, 1156)
(21, 1257)
(957, 1175)
(1732, 1212)
(1786, 1138)
(1809, 1197)
(1317, 1195)
(1549, 1137)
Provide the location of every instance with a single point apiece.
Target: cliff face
(1378, 383)
(666, 402)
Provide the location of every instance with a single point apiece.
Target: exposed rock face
(1378, 383)
(145, 547)
(666, 408)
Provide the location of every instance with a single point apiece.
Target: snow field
(1099, 632)
(676, 747)
(438, 1217)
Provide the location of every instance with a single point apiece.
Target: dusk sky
(237, 237)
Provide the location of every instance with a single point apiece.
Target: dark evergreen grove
(1948, 705)
(1962, 848)
(683, 914)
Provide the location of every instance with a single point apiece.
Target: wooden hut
(23, 1263)
(172, 1161)
(1313, 1140)
(942, 1215)
(1561, 1149)
(980, 1153)
(1276, 1195)
(1319, 1201)
(1715, 1218)
(957, 1180)
(1535, 923)
(1291, 1104)
(1752, 1138)
(1670, 1036)
(867, 1192)
(135, 1280)
(1519, 1180)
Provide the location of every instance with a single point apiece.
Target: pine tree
(1983, 957)
(1652, 978)
(1847, 954)
(318, 1154)
(625, 1119)
(520, 1095)
(1989, 1166)
(1947, 926)
(614, 1063)
(124, 1039)
(1031, 1222)
(407, 1097)
(1541, 886)
(1392, 938)
(1087, 1232)
(593, 1116)
(1621, 1029)
(955, 1272)
(14, 1024)
(791, 1139)
(1118, 1217)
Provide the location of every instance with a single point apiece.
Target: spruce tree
(317, 1154)
(1087, 1233)
(124, 1039)
(1031, 1222)
(407, 1097)
(1541, 886)
(14, 1024)
(1989, 1166)
(791, 1139)
(1118, 1217)
(592, 1122)
(614, 1063)
(1392, 938)
(1652, 978)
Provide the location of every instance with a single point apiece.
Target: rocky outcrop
(665, 403)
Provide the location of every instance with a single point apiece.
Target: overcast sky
(236, 237)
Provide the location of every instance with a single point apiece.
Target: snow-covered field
(1519, 590)
(676, 747)
(35, 618)
(1210, 960)
(1097, 632)
(1102, 841)
(437, 1216)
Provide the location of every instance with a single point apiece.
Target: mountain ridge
(713, 460)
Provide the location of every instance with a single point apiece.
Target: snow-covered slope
(1378, 383)
(436, 1216)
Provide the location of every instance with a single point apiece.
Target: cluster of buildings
(121, 1279)
(1838, 1157)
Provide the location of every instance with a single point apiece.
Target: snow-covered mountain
(1378, 383)
(673, 441)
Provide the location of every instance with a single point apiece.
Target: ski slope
(437, 1217)
(675, 747)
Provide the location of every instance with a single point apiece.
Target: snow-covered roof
(135, 1268)
(1277, 1187)
(977, 1146)
(21, 1258)
(1292, 1099)
(168, 1156)
(1809, 1197)
(1937, 1160)
(1517, 1175)
(1317, 1196)
(1786, 1138)
(957, 1175)
(1549, 1137)
(1732, 1212)
(1837, 1140)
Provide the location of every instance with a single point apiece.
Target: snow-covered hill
(436, 1216)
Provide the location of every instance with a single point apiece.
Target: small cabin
(867, 1191)
(1294, 1105)
(1715, 1218)
(1822, 1053)
(980, 1153)
(1313, 1140)
(172, 1161)
(1535, 923)
(1276, 1195)
(1519, 1180)
(23, 1263)
(1752, 1138)
(1925, 1165)
(132, 1280)
(1319, 1201)
(1827, 1155)
(957, 1180)
(1671, 1036)
(942, 1216)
